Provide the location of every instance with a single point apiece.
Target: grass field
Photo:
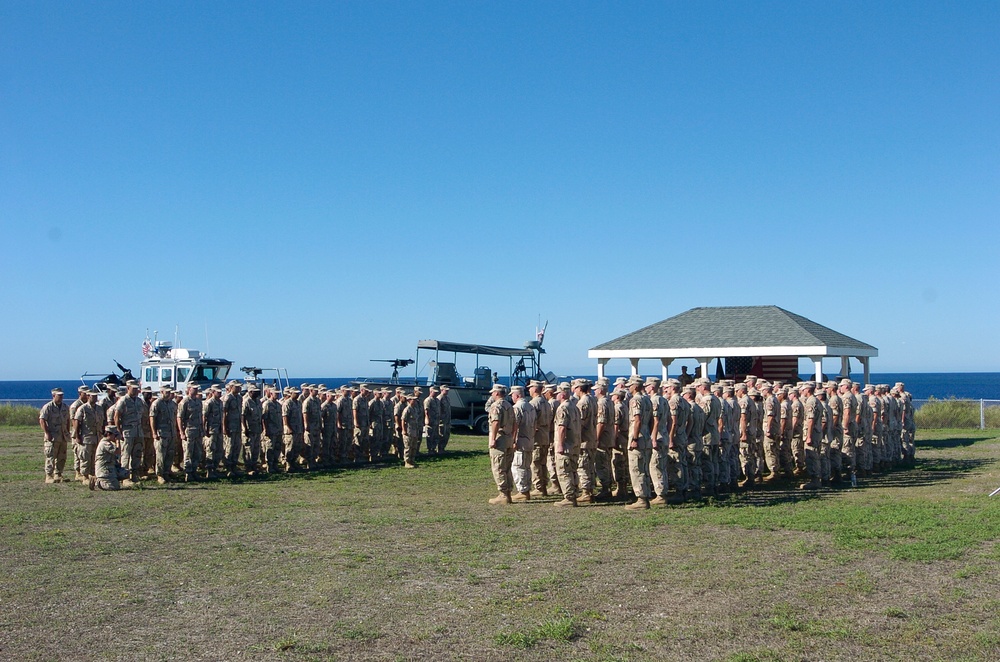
(386, 563)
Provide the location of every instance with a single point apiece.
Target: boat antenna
(207, 351)
(177, 330)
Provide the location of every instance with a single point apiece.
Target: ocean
(923, 385)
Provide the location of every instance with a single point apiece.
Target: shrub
(18, 415)
(955, 413)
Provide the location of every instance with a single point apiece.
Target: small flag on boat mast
(147, 347)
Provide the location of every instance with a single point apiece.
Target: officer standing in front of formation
(523, 436)
(501, 420)
(53, 418)
(191, 427)
(162, 418)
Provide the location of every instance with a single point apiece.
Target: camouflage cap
(652, 381)
(830, 384)
(703, 381)
(366, 387)
(517, 389)
(752, 392)
(111, 429)
(57, 391)
(740, 386)
(434, 389)
(548, 387)
(620, 380)
(845, 382)
(83, 388)
(132, 382)
(689, 389)
(564, 387)
(445, 387)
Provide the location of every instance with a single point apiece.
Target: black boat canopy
(466, 348)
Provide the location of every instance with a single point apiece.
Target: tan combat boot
(567, 502)
(586, 497)
(640, 504)
(521, 496)
(813, 484)
(658, 501)
(538, 493)
(503, 497)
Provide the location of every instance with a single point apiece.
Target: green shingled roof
(733, 326)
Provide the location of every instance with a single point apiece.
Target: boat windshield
(210, 372)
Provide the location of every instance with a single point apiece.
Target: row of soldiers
(207, 432)
(586, 442)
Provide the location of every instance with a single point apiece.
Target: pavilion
(767, 334)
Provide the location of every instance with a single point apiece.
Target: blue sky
(320, 184)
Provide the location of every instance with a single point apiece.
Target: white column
(665, 364)
(818, 360)
(704, 365)
(845, 366)
(635, 366)
(864, 363)
(601, 363)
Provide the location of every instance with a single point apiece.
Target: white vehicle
(179, 367)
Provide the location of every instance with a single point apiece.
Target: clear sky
(320, 184)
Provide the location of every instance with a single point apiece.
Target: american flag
(147, 348)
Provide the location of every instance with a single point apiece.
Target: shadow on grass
(953, 442)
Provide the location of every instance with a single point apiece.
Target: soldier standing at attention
(659, 431)
(212, 410)
(798, 436)
(432, 419)
(836, 430)
(549, 395)
(191, 426)
(107, 471)
(619, 462)
(253, 427)
(826, 416)
(444, 427)
(771, 427)
(680, 414)
(128, 412)
(586, 468)
(748, 459)
(409, 421)
(605, 439)
(399, 436)
(110, 398)
(375, 425)
(711, 440)
(813, 433)
(543, 432)
(312, 425)
(232, 407)
(162, 420)
(345, 425)
(566, 444)
(328, 416)
(360, 408)
(785, 431)
(273, 428)
(53, 418)
(850, 425)
(82, 395)
(639, 444)
(523, 436)
(730, 442)
(86, 431)
(501, 444)
(291, 419)
(148, 447)
(696, 431)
